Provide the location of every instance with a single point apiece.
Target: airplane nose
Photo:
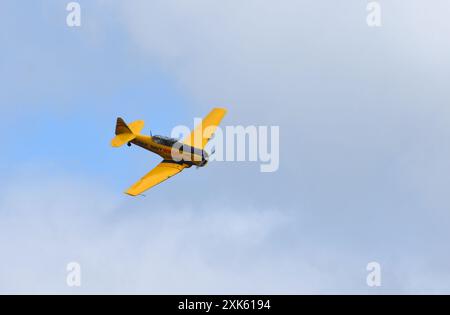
(205, 159)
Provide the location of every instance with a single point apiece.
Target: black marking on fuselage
(183, 148)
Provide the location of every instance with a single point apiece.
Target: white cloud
(363, 118)
(276, 61)
(353, 103)
(141, 245)
(132, 245)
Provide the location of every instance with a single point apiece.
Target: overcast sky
(364, 123)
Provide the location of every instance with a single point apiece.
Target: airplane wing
(201, 134)
(160, 173)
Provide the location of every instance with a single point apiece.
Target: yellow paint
(199, 137)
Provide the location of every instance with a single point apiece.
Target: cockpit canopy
(170, 142)
(164, 140)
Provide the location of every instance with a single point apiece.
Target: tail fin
(126, 133)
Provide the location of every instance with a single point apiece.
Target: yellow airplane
(176, 155)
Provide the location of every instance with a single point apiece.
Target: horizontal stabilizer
(136, 126)
(121, 139)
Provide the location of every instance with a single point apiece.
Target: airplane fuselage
(177, 152)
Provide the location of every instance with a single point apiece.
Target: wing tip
(130, 193)
(220, 109)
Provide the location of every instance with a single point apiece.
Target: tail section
(126, 133)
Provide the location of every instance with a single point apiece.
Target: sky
(364, 126)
